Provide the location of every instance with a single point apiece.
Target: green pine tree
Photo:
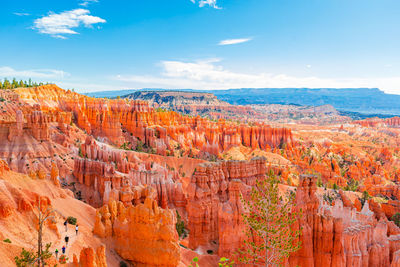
(6, 84)
(14, 83)
(270, 237)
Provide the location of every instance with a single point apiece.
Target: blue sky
(98, 45)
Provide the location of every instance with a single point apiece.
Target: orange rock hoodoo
(159, 130)
(375, 122)
(331, 236)
(214, 208)
(144, 234)
(120, 175)
(340, 236)
(91, 258)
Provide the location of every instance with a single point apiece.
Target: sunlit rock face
(340, 236)
(214, 207)
(144, 234)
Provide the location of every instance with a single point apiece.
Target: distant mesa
(360, 102)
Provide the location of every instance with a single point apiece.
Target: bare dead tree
(28, 258)
(43, 216)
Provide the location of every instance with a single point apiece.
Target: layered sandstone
(91, 258)
(120, 175)
(159, 130)
(339, 236)
(213, 201)
(144, 234)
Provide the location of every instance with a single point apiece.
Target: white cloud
(210, 75)
(87, 2)
(202, 3)
(234, 41)
(57, 25)
(21, 14)
(8, 72)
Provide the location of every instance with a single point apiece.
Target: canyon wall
(119, 120)
(214, 209)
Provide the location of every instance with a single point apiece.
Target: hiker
(63, 249)
(76, 229)
(56, 254)
(66, 225)
(66, 240)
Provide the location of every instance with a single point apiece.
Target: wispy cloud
(58, 25)
(87, 2)
(35, 73)
(210, 74)
(21, 14)
(202, 3)
(234, 41)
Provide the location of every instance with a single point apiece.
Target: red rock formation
(231, 229)
(38, 123)
(90, 258)
(120, 175)
(3, 167)
(214, 188)
(54, 175)
(16, 130)
(396, 259)
(394, 121)
(375, 122)
(103, 118)
(144, 234)
(339, 236)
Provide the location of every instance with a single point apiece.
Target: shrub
(139, 146)
(180, 226)
(328, 198)
(72, 220)
(319, 182)
(224, 262)
(26, 258)
(352, 185)
(63, 259)
(80, 152)
(365, 197)
(7, 240)
(396, 218)
(335, 186)
(194, 262)
(123, 264)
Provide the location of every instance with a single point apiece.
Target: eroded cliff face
(33, 136)
(340, 236)
(376, 122)
(160, 130)
(91, 258)
(58, 137)
(144, 234)
(20, 199)
(332, 235)
(115, 174)
(214, 208)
